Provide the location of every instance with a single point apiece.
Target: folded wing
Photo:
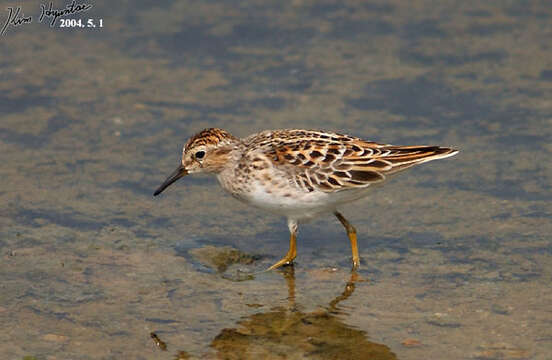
(333, 162)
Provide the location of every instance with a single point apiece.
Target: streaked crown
(211, 136)
(207, 151)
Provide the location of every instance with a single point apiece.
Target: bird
(299, 174)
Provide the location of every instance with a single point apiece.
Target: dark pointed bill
(177, 174)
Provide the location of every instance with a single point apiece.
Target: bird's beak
(177, 174)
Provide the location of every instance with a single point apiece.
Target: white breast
(295, 203)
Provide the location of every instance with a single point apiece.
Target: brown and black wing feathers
(332, 162)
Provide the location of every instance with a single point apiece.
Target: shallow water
(456, 255)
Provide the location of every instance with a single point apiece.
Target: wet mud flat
(397, 308)
(455, 257)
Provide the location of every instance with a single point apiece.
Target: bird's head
(207, 151)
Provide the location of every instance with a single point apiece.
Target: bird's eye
(200, 154)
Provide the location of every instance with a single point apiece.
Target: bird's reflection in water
(287, 333)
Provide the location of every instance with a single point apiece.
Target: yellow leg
(351, 232)
(292, 252)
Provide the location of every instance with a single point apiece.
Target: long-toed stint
(300, 174)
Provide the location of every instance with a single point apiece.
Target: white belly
(295, 203)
